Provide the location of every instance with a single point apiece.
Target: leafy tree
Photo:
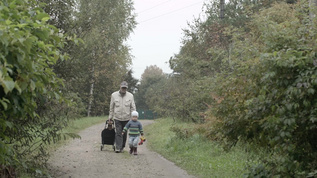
(151, 71)
(131, 81)
(29, 47)
(99, 65)
(172, 96)
(61, 13)
(268, 97)
(151, 75)
(261, 79)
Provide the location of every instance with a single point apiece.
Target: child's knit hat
(135, 113)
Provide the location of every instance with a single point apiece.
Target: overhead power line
(170, 12)
(155, 6)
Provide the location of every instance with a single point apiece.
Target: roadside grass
(197, 155)
(77, 125)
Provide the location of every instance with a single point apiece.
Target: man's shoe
(117, 151)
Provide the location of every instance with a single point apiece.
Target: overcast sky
(157, 37)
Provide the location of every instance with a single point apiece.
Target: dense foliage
(96, 68)
(146, 90)
(270, 98)
(29, 87)
(250, 77)
(41, 90)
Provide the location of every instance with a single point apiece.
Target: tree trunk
(312, 4)
(91, 92)
(221, 15)
(222, 9)
(312, 12)
(312, 7)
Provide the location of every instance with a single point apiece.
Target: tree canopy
(250, 76)
(48, 75)
(29, 86)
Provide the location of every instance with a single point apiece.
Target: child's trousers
(134, 140)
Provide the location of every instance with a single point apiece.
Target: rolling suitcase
(108, 135)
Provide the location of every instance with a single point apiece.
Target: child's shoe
(135, 151)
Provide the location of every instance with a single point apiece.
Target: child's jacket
(134, 127)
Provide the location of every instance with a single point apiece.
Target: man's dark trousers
(120, 139)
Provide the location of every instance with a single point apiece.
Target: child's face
(134, 118)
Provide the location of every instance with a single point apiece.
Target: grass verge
(197, 155)
(77, 125)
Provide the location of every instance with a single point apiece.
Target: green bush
(29, 47)
(274, 105)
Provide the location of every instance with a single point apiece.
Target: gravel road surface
(82, 158)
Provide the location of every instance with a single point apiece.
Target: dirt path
(82, 158)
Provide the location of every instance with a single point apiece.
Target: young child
(135, 129)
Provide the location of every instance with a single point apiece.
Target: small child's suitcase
(108, 135)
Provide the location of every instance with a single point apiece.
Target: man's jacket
(121, 106)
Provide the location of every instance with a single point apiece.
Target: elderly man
(121, 106)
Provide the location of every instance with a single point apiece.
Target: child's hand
(122, 133)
